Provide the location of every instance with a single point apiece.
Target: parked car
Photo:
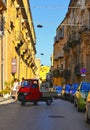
(58, 89)
(81, 96)
(73, 91)
(87, 113)
(66, 91)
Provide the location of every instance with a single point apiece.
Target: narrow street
(60, 115)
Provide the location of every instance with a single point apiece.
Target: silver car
(87, 113)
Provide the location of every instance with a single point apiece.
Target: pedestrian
(23, 82)
(15, 88)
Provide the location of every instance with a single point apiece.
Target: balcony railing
(55, 39)
(84, 28)
(74, 39)
(58, 72)
(66, 74)
(60, 54)
(66, 49)
(55, 57)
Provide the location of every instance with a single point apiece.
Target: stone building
(75, 44)
(18, 42)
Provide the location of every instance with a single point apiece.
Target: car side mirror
(78, 90)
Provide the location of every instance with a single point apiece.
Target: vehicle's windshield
(59, 88)
(68, 87)
(74, 86)
(85, 87)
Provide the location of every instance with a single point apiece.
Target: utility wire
(58, 7)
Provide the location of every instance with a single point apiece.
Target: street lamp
(42, 53)
(39, 26)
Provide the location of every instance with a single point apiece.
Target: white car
(87, 113)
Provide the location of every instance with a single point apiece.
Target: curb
(6, 100)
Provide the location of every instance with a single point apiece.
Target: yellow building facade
(2, 11)
(18, 42)
(43, 71)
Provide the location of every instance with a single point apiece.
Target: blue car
(58, 89)
(73, 91)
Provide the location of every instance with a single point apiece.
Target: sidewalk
(6, 100)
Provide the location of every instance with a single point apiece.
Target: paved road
(61, 115)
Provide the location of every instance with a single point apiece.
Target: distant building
(43, 71)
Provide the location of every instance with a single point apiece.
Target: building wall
(43, 71)
(19, 41)
(76, 42)
(2, 10)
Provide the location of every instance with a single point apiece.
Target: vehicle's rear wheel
(48, 102)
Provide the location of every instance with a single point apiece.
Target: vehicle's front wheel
(87, 120)
(35, 102)
(75, 103)
(22, 103)
(78, 109)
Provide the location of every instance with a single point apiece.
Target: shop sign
(14, 65)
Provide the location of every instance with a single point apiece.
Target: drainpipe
(89, 17)
(1, 35)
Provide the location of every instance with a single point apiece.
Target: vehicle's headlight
(70, 92)
(25, 94)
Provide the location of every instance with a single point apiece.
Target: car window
(74, 86)
(85, 87)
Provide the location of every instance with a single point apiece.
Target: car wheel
(78, 109)
(87, 120)
(35, 102)
(75, 103)
(22, 103)
(48, 102)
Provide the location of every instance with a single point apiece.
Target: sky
(49, 14)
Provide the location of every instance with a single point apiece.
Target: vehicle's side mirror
(63, 88)
(78, 90)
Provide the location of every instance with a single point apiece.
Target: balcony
(58, 73)
(55, 39)
(60, 54)
(74, 39)
(60, 33)
(84, 28)
(66, 74)
(66, 49)
(55, 57)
